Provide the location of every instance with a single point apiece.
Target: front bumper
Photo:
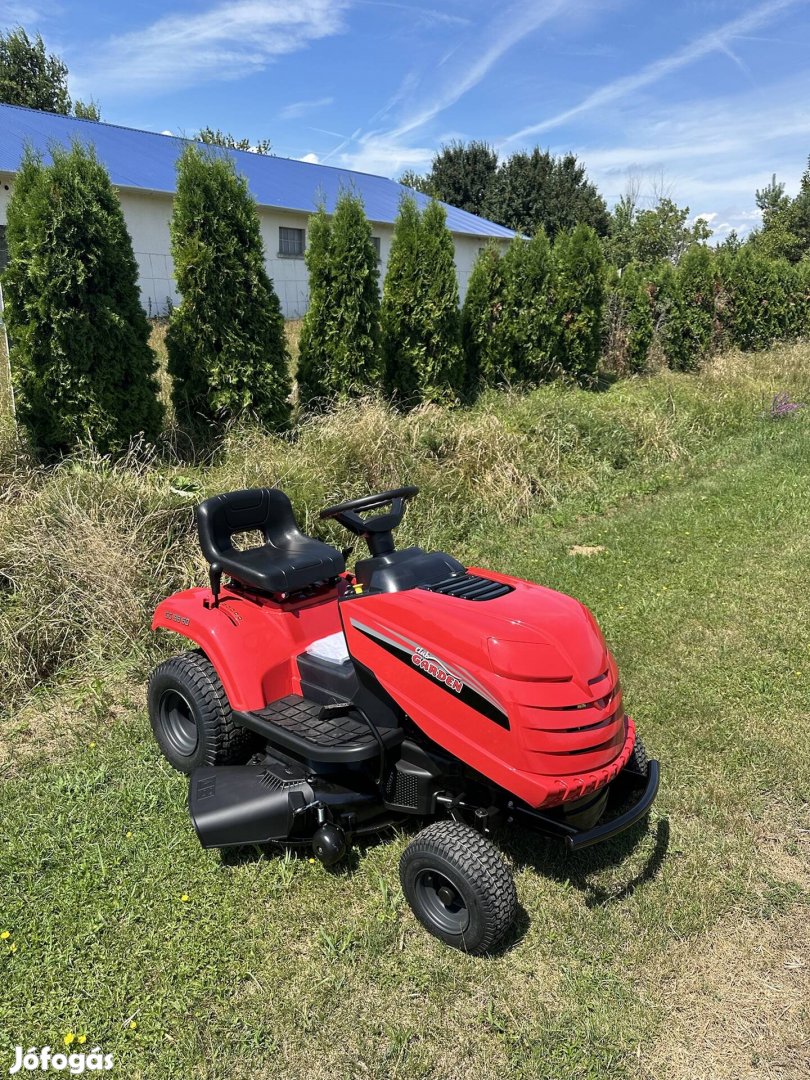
(575, 839)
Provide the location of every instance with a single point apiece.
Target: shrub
(803, 274)
(80, 357)
(766, 299)
(789, 279)
(662, 291)
(690, 327)
(629, 321)
(481, 316)
(420, 316)
(226, 345)
(527, 325)
(579, 301)
(344, 310)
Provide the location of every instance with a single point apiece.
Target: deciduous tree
(539, 191)
(462, 174)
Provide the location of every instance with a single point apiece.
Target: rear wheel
(191, 718)
(458, 886)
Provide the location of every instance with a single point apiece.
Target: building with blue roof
(141, 165)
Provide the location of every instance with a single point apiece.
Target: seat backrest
(223, 516)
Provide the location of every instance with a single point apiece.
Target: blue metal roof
(146, 160)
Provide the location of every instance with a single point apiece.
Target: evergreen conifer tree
(420, 313)
(313, 343)
(527, 325)
(80, 356)
(226, 343)
(579, 301)
(340, 355)
(481, 317)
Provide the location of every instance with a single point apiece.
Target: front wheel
(639, 761)
(458, 886)
(191, 718)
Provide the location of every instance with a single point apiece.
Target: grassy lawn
(680, 951)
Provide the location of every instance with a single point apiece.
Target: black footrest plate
(317, 732)
(303, 718)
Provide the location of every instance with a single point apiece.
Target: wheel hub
(178, 723)
(442, 902)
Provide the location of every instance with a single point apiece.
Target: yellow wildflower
(5, 935)
(68, 1039)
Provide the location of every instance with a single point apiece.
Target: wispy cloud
(390, 150)
(423, 15)
(373, 153)
(511, 26)
(227, 41)
(300, 108)
(708, 42)
(712, 153)
(23, 14)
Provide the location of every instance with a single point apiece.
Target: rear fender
(238, 638)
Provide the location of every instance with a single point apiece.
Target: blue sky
(700, 100)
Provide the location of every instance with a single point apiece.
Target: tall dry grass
(88, 547)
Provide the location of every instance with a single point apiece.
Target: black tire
(639, 761)
(458, 886)
(191, 718)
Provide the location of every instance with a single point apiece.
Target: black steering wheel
(348, 513)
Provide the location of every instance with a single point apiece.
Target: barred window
(290, 241)
(376, 242)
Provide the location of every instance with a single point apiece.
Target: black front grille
(470, 587)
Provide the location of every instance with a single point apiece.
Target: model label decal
(468, 690)
(431, 665)
(170, 615)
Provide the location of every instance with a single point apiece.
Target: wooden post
(8, 357)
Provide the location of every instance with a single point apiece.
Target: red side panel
(252, 643)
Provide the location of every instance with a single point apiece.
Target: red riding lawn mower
(321, 705)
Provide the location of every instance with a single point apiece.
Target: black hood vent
(470, 587)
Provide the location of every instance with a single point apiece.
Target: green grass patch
(699, 511)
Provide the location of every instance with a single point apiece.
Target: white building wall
(147, 216)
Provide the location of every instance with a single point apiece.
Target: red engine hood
(521, 687)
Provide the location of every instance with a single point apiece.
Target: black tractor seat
(287, 562)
